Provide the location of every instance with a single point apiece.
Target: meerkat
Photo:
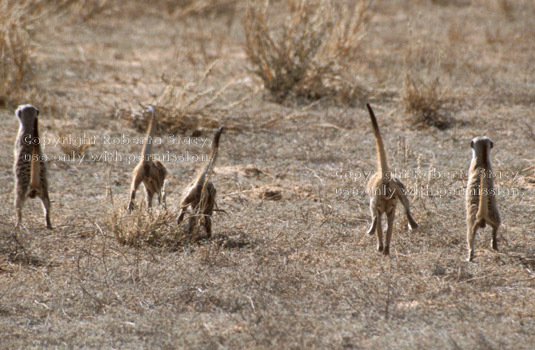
(385, 190)
(481, 208)
(29, 166)
(150, 172)
(201, 193)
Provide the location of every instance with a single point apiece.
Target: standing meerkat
(385, 191)
(29, 166)
(481, 208)
(201, 193)
(151, 172)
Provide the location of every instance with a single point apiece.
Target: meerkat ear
(472, 144)
(491, 144)
(36, 112)
(18, 112)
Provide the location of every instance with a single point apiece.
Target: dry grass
(290, 266)
(19, 22)
(304, 56)
(424, 96)
(187, 106)
(72, 144)
(15, 49)
(155, 227)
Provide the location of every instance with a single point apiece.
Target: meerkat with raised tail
(201, 193)
(385, 190)
(150, 172)
(481, 208)
(29, 167)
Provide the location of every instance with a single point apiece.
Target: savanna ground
(289, 264)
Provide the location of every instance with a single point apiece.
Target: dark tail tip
(370, 110)
(218, 135)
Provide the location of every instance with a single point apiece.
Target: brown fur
(150, 172)
(29, 167)
(385, 191)
(481, 205)
(201, 193)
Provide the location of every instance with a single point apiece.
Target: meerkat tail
(147, 148)
(483, 208)
(381, 153)
(35, 164)
(203, 178)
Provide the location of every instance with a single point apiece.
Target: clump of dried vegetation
(424, 97)
(310, 53)
(187, 106)
(155, 227)
(19, 20)
(15, 49)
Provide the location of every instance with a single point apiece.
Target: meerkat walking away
(201, 193)
(151, 172)
(29, 167)
(385, 191)
(481, 208)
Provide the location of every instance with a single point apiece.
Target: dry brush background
(289, 265)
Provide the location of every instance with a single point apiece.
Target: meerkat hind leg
(406, 205)
(19, 201)
(149, 194)
(379, 232)
(45, 200)
(494, 240)
(374, 214)
(208, 225)
(390, 216)
(470, 237)
(373, 225)
(136, 181)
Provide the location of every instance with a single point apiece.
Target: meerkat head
(481, 143)
(27, 114)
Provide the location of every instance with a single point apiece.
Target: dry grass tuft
(424, 101)
(305, 56)
(424, 96)
(15, 49)
(156, 227)
(18, 21)
(193, 106)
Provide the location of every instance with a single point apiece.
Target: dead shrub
(308, 56)
(156, 227)
(15, 49)
(424, 97)
(424, 101)
(191, 106)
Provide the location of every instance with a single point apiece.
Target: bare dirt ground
(289, 265)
